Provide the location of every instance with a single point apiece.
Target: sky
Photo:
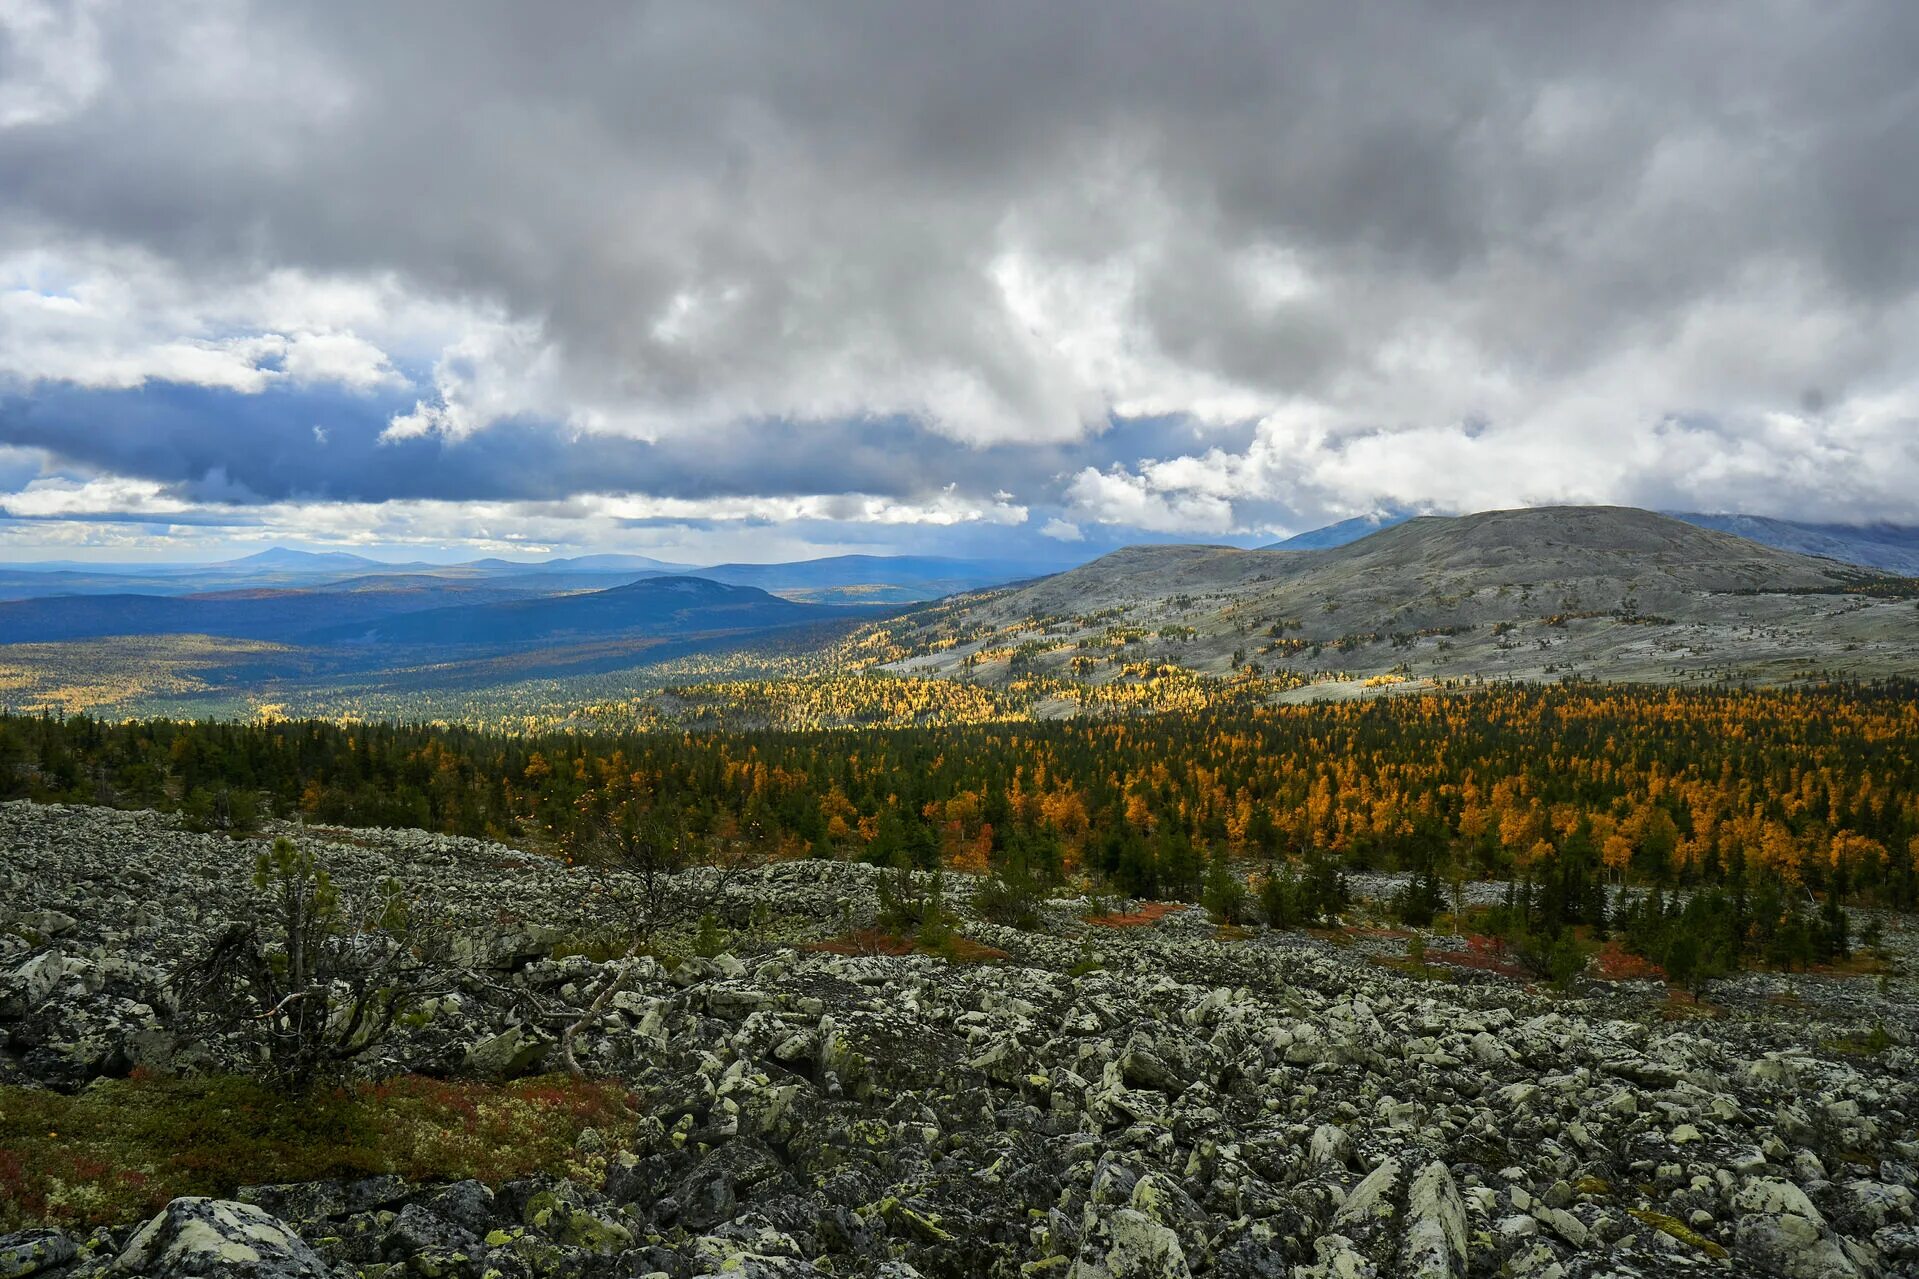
(716, 281)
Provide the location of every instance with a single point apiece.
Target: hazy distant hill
(1892, 547)
(873, 578)
(280, 557)
(675, 606)
(580, 564)
(257, 613)
(1607, 592)
(847, 579)
(1321, 539)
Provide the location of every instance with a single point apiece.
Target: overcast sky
(723, 281)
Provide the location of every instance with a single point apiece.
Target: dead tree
(316, 976)
(649, 876)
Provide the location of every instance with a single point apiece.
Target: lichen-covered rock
(511, 1053)
(196, 1238)
(31, 1252)
(1436, 1225)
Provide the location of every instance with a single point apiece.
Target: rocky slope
(1152, 1101)
(1598, 592)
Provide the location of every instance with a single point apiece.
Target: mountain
(1332, 535)
(678, 606)
(1606, 592)
(283, 558)
(581, 564)
(1891, 547)
(873, 578)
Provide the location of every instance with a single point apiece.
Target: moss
(123, 1148)
(1679, 1230)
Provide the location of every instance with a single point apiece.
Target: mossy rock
(1679, 1230)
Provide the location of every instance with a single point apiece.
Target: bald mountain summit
(1608, 593)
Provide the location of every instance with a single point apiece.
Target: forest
(1789, 799)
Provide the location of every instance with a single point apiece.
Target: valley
(1581, 593)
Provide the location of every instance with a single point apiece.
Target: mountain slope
(1607, 592)
(676, 606)
(873, 578)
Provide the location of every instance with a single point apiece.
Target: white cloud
(58, 498)
(1118, 497)
(117, 320)
(599, 520)
(1062, 531)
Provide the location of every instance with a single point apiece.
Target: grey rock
(32, 1251)
(511, 1053)
(196, 1238)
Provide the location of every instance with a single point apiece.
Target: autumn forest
(1818, 787)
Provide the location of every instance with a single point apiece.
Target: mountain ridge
(1608, 592)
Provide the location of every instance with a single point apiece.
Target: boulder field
(1149, 1102)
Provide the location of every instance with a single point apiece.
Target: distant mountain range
(850, 579)
(280, 557)
(1324, 539)
(1892, 547)
(1551, 593)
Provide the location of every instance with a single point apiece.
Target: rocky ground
(1147, 1101)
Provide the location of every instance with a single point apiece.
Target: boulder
(32, 1251)
(199, 1238)
(1436, 1230)
(514, 1052)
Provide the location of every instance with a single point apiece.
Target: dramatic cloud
(1200, 271)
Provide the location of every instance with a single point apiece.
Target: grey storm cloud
(1374, 251)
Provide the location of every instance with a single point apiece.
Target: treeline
(1816, 790)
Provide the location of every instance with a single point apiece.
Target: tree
(1224, 898)
(644, 871)
(315, 977)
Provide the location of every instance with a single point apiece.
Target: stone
(1372, 1198)
(1330, 1147)
(1436, 1225)
(511, 1053)
(1130, 1245)
(32, 1251)
(199, 1238)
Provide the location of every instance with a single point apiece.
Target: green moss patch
(123, 1148)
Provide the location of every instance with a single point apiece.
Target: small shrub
(711, 939)
(314, 978)
(905, 907)
(1011, 896)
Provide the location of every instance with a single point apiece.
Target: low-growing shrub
(1011, 896)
